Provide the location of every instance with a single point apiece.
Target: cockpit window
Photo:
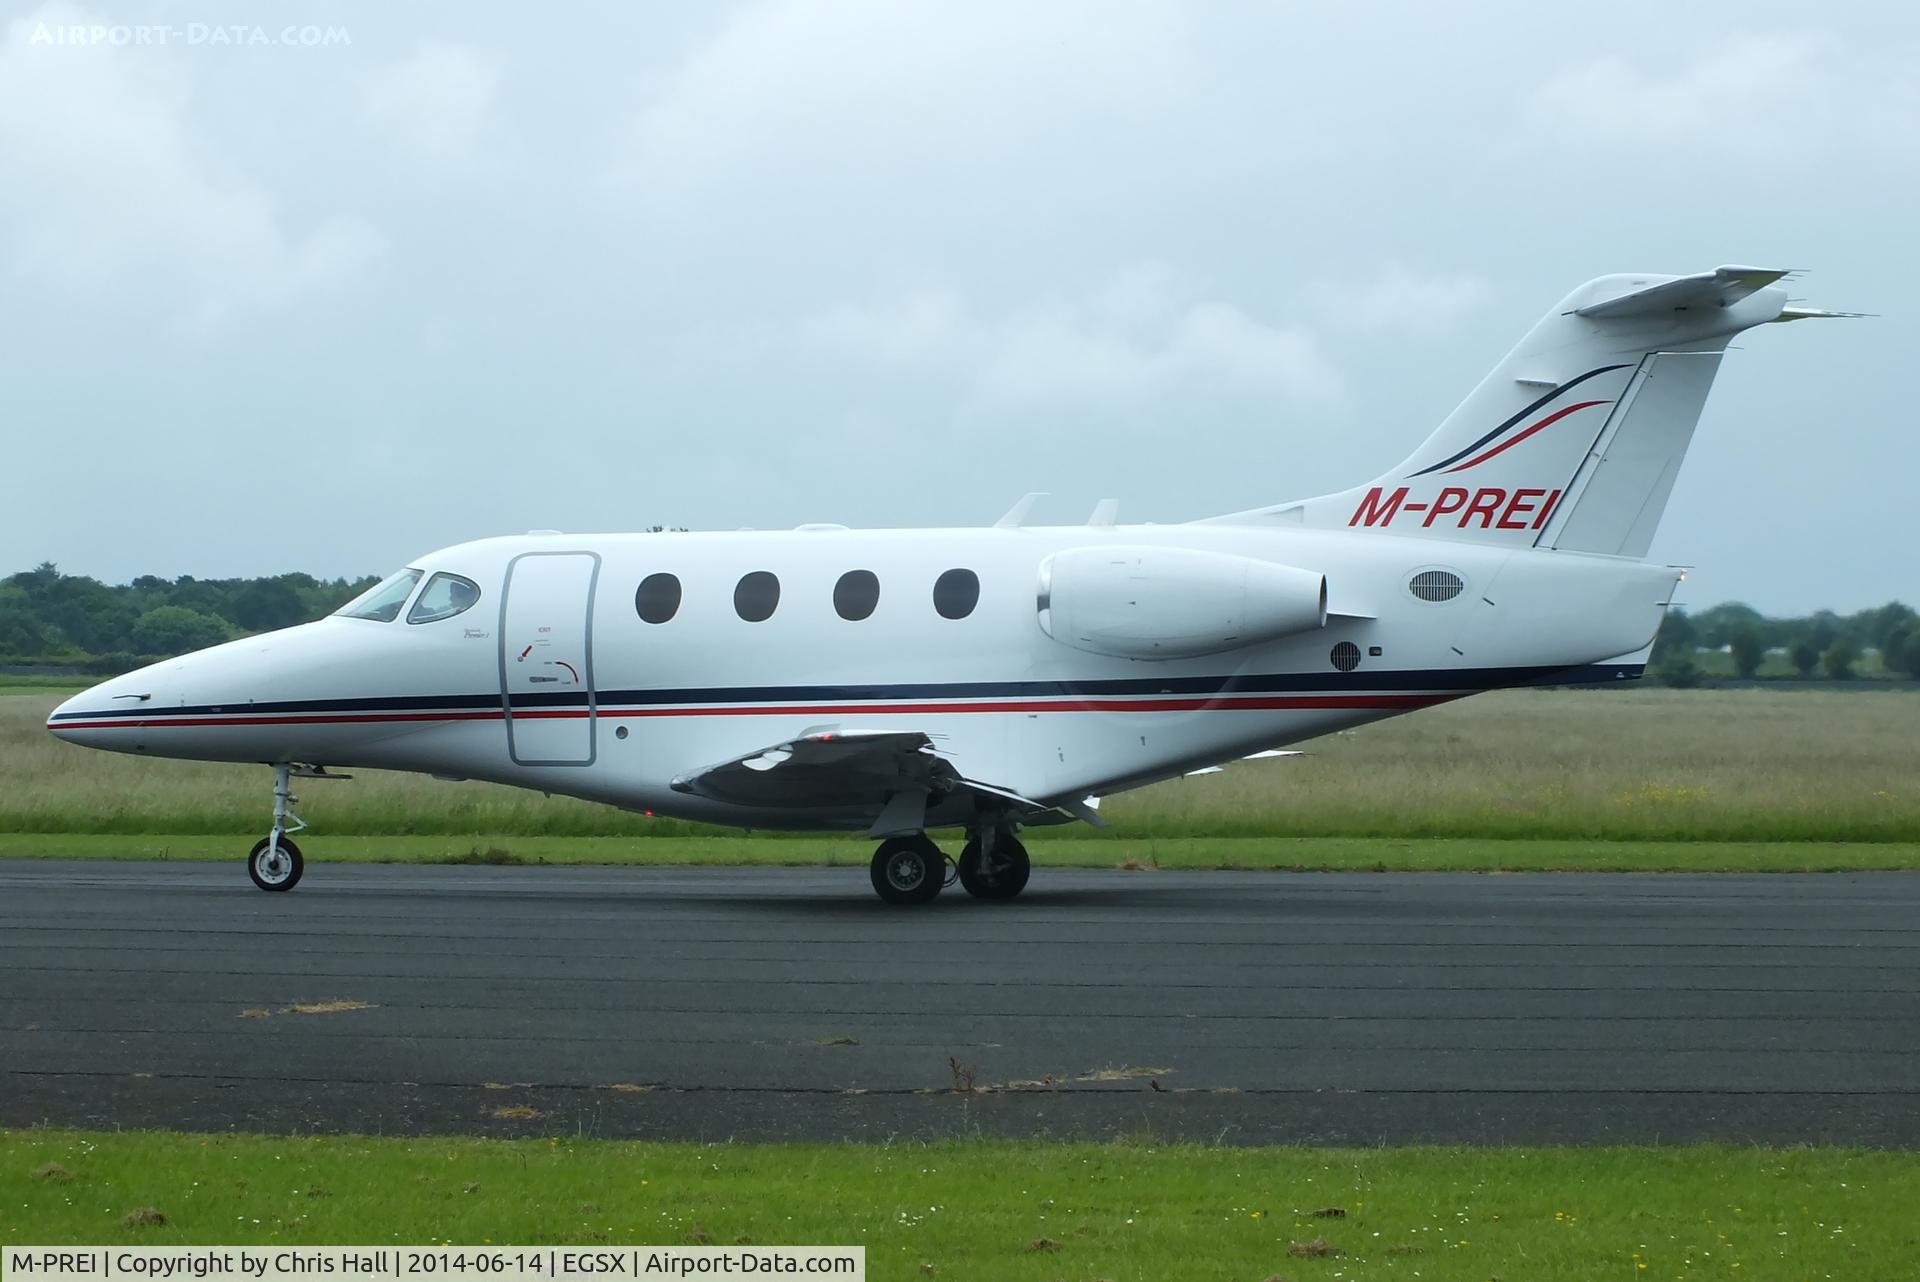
(444, 596)
(383, 600)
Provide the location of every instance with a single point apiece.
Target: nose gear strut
(275, 863)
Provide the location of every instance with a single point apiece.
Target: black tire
(908, 870)
(1006, 879)
(283, 876)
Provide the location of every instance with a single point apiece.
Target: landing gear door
(546, 658)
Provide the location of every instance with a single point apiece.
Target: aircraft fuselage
(552, 680)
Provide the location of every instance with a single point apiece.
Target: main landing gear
(994, 865)
(912, 870)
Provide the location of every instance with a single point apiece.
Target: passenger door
(546, 657)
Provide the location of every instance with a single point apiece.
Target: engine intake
(1173, 603)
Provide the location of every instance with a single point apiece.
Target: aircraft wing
(826, 766)
(886, 774)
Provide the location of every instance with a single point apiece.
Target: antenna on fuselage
(1017, 514)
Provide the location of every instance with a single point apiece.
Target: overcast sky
(474, 270)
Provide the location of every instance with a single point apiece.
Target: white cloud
(440, 105)
(871, 86)
(1396, 300)
(103, 180)
(1735, 93)
(1144, 335)
(926, 330)
(1070, 353)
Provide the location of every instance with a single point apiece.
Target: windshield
(383, 600)
(444, 596)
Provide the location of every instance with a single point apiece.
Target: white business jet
(895, 682)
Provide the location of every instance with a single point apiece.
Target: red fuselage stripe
(1263, 703)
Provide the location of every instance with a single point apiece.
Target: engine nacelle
(1173, 603)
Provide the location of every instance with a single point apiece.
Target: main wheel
(275, 869)
(1005, 879)
(908, 870)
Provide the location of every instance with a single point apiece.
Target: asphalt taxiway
(791, 1004)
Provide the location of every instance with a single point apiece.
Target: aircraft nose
(89, 717)
(67, 720)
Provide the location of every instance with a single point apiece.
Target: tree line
(1735, 640)
(70, 620)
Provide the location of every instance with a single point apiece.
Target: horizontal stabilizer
(1791, 313)
(1721, 287)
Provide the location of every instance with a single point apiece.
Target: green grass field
(36, 686)
(1009, 1210)
(1742, 766)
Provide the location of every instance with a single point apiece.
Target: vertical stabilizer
(1574, 440)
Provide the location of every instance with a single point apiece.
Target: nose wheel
(275, 864)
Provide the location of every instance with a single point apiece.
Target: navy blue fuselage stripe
(1452, 680)
(1450, 460)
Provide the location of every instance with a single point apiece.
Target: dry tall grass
(1728, 765)
(1644, 763)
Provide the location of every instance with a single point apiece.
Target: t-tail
(1574, 440)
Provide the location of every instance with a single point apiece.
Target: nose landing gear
(275, 863)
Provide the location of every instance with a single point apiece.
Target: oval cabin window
(955, 593)
(658, 598)
(756, 596)
(856, 595)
